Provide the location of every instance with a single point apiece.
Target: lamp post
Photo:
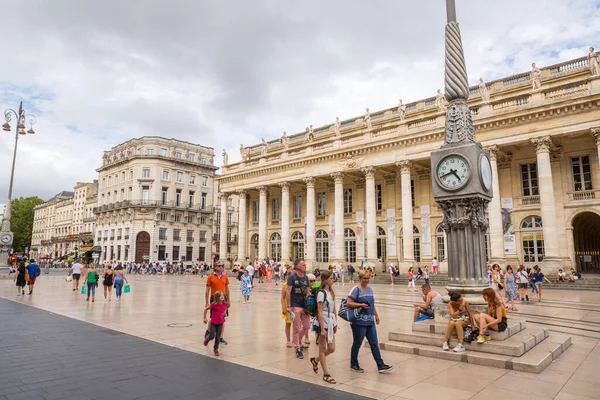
(6, 236)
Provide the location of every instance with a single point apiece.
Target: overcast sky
(221, 73)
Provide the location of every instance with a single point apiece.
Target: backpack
(350, 269)
(311, 302)
(37, 271)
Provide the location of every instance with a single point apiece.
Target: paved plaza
(99, 351)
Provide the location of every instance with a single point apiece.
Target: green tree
(21, 222)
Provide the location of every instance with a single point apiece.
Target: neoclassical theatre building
(359, 190)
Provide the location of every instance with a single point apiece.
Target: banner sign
(360, 234)
(508, 226)
(331, 236)
(425, 232)
(391, 234)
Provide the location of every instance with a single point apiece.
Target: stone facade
(225, 245)
(354, 191)
(155, 201)
(65, 224)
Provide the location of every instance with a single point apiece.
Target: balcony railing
(177, 239)
(203, 240)
(152, 203)
(190, 239)
(529, 200)
(583, 195)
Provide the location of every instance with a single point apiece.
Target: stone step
(514, 327)
(534, 361)
(514, 346)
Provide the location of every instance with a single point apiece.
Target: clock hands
(452, 172)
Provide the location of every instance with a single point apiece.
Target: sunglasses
(311, 280)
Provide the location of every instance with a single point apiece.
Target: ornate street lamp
(6, 236)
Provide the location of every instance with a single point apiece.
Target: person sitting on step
(431, 298)
(495, 319)
(460, 317)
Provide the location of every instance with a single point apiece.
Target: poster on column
(508, 226)
(305, 238)
(360, 234)
(425, 232)
(331, 236)
(391, 228)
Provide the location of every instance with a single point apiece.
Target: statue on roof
(225, 158)
(309, 134)
(337, 126)
(594, 62)
(265, 147)
(401, 110)
(284, 140)
(536, 77)
(367, 119)
(440, 101)
(245, 152)
(483, 90)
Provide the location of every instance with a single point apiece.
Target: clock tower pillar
(461, 177)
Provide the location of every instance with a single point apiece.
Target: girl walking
(538, 279)
(246, 286)
(287, 316)
(20, 278)
(426, 275)
(411, 279)
(325, 325)
(217, 308)
(510, 287)
(107, 282)
(497, 283)
(91, 279)
(119, 278)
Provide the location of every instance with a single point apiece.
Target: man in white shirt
(76, 270)
(250, 270)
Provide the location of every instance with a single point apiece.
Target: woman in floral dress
(246, 286)
(510, 287)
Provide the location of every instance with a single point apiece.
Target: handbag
(501, 287)
(127, 289)
(27, 277)
(346, 313)
(83, 289)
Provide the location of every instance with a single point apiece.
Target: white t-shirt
(523, 277)
(434, 263)
(323, 296)
(77, 268)
(250, 270)
(392, 269)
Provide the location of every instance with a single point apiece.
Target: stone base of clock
(472, 293)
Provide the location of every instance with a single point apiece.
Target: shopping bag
(127, 289)
(83, 289)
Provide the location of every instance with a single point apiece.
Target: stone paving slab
(50, 357)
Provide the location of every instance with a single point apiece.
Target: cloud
(224, 73)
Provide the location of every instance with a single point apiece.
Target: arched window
(416, 243)
(440, 240)
(350, 245)
(532, 238)
(381, 244)
(297, 246)
(322, 246)
(276, 246)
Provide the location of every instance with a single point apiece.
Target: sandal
(329, 379)
(315, 365)
(514, 309)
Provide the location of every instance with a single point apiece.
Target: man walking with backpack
(34, 272)
(298, 291)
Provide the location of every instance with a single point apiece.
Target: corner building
(155, 201)
(360, 189)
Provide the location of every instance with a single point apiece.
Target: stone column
(495, 212)
(242, 228)
(407, 215)
(311, 244)
(371, 215)
(285, 222)
(596, 133)
(547, 202)
(262, 223)
(339, 218)
(223, 227)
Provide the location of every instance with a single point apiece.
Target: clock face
(6, 238)
(486, 172)
(453, 172)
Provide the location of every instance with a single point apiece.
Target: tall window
(179, 176)
(276, 246)
(205, 181)
(582, 173)
(350, 245)
(297, 246)
(529, 180)
(321, 204)
(178, 155)
(177, 197)
(532, 238)
(190, 235)
(440, 241)
(149, 152)
(322, 240)
(381, 244)
(165, 175)
(203, 160)
(191, 198)
(412, 192)
(378, 197)
(347, 200)
(145, 194)
(229, 215)
(164, 196)
(163, 152)
(255, 211)
(297, 206)
(176, 235)
(416, 243)
(146, 173)
(191, 156)
(203, 200)
(275, 210)
(162, 234)
(164, 216)
(192, 180)
(218, 217)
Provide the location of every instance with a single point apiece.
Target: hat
(311, 277)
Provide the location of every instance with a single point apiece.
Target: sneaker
(205, 342)
(288, 345)
(299, 354)
(356, 368)
(487, 336)
(459, 348)
(445, 346)
(223, 341)
(385, 368)
(217, 352)
(244, 301)
(527, 298)
(88, 299)
(480, 339)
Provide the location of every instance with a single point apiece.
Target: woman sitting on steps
(460, 317)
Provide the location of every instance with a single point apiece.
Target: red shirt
(218, 313)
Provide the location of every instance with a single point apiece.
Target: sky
(225, 73)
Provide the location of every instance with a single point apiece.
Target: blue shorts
(538, 283)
